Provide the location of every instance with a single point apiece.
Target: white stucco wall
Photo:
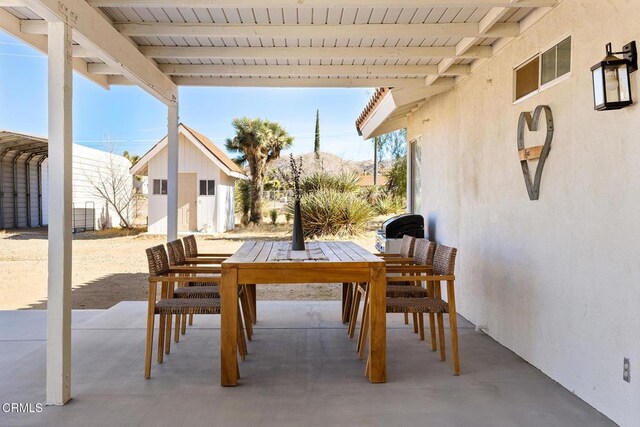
(556, 280)
(211, 209)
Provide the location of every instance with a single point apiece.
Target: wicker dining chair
(161, 273)
(193, 256)
(353, 292)
(195, 289)
(443, 270)
(422, 256)
(191, 250)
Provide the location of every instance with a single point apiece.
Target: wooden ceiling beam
(293, 70)
(292, 82)
(96, 34)
(326, 31)
(322, 3)
(311, 52)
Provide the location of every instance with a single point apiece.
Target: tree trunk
(257, 186)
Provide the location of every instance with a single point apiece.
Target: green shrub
(344, 182)
(397, 177)
(243, 200)
(385, 204)
(330, 212)
(273, 214)
(287, 216)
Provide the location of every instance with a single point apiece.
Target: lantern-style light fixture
(611, 82)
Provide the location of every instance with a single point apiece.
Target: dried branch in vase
(296, 170)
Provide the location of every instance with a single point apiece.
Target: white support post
(59, 258)
(172, 173)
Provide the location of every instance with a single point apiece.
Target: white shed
(206, 181)
(24, 184)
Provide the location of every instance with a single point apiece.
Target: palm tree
(258, 142)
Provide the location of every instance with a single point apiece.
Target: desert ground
(109, 267)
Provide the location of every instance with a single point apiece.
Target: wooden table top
(279, 252)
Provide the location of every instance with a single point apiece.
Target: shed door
(187, 211)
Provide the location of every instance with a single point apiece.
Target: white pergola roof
(159, 44)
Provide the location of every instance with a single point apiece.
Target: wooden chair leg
(250, 306)
(184, 324)
(364, 325)
(252, 297)
(406, 318)
(242, 344)
(353, 318)
(176, 334)
(347, 295)
(167, 338)
(421, 325)
(453, 327)
(415, 323)
(149, 344)
(190, 319)
(364, 333)
(437, 291)
(432, 331)
(367, 366)
(432, 319)
(244, 302)
(161, 328)
(443, 355)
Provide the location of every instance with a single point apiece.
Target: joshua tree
(316, 144)
(133, 158)
(258, 143)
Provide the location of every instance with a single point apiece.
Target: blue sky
(127, 118)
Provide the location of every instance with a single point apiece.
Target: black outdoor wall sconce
(611, 78)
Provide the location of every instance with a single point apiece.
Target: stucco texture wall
(556, 280)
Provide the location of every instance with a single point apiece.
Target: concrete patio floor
(301, 370)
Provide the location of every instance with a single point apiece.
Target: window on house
(159, 186)
(543, 69)
(207, 187)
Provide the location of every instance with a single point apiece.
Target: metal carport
(21, 158)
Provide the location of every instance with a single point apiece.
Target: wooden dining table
(273, 262)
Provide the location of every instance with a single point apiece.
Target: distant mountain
(327, 162)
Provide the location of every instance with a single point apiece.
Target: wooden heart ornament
(539, 152)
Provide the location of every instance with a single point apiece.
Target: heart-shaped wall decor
(532, 153)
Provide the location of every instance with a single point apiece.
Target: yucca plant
(330, 212)
(385, 204)
(344, 182)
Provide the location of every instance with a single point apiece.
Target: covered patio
(301, 370)
(416, 51)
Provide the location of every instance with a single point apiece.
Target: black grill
(403, 225)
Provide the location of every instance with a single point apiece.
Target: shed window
(543, 69)
(207, 187)
(159, 186)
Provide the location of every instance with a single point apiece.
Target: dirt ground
(109, 267)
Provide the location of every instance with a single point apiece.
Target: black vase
(297, 240)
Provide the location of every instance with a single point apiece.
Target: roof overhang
(390, 107)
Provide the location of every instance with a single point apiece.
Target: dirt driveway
(107, 270)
